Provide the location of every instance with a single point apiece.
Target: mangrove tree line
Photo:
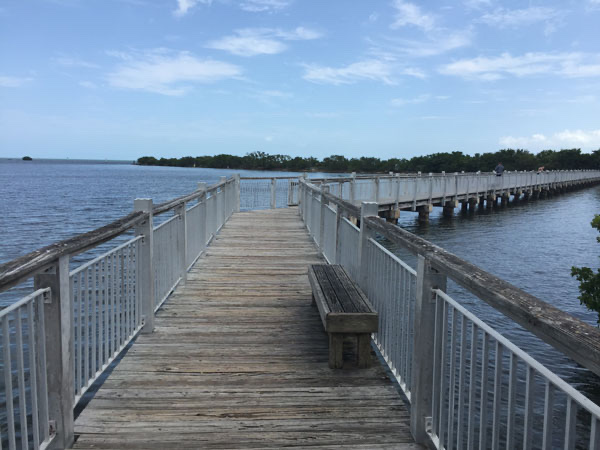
(436, 162)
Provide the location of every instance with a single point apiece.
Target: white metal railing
(78, 320)
(439, 188)
(490, 393)
(166, 262)
(268, 192)
(390, 278)
(469, 387)
(24, 367)
(106, 312)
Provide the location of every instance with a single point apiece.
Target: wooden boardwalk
(239, 360)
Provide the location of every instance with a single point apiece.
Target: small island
(27, 158)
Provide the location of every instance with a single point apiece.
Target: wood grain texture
(239, 359)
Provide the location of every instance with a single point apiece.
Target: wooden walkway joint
(239, 359)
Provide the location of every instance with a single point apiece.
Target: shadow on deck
(239, 360)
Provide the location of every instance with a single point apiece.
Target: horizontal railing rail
(424, 351)
(79, 320)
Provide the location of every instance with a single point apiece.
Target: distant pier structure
(194, 327)
(421, 192)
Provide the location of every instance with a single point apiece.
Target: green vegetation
(27, 158)
(437, 162)
(589, 282)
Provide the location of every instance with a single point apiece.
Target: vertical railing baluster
(452, 381)
(94, 308)
(472, 386)
(548, 410)
(41, 367)
(496, 420)
(33, 380)
(461, 382)
(485, 357)
(8, 386)
(570, 424)
(21, 378)
(86, 326)
(528, 410)
(512, 392)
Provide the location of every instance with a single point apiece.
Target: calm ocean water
(532, 245)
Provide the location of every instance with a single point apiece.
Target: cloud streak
(409, 14)
(261, 41)
(169, 73)
(371, 69)
(569, 65)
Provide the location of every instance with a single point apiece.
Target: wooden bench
(345, 310)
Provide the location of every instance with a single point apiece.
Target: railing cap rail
(19, 269)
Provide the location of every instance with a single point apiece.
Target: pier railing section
(468, 386)
(58, 340)
(414, 190)
(268, 192)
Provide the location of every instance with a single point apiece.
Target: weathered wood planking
(239, 360)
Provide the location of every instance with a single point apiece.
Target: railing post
(339, 216)
(273, 197)
(182, 243)
(421, 395)
(376, 196)
(145, 263)
(59, 348)
(367, 209)
(353, 188)
(324, 190)
(221, 200)
(203, 208)
(238, 192)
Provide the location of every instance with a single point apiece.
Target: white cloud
(261, 41)
(437, 42)
(418, 99)
(68, 61)
(13, 82)
(410, 14)
(264, 5)
(183, 6)
(570, 65)
(169, 73)
(564, 139)
(374, 70)
(411, 101)
(515, 18)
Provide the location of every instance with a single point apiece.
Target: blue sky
(119, 79)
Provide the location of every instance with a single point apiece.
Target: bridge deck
(239, 360)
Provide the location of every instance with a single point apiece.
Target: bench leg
(363, 343)
(336, 344)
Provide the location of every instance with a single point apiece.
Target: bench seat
(344, 310)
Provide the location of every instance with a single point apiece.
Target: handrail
(166, 206)
(19, 269)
